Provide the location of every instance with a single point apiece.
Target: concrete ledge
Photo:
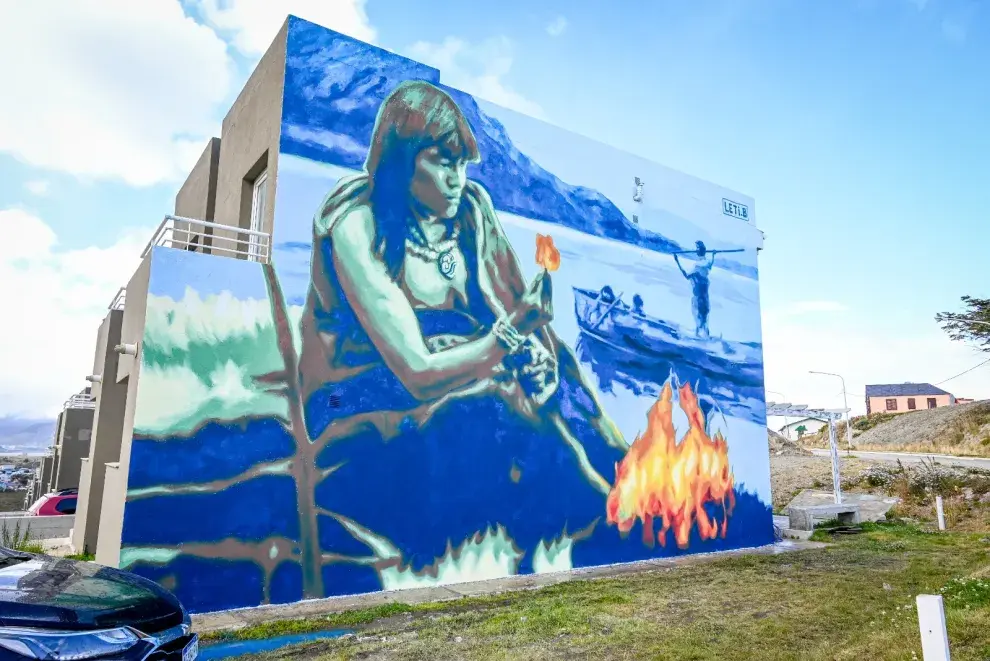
(245, 617)
(806, 517)
(38, 527)
(800, 535)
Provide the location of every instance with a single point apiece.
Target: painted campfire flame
(547, 254)
(660, 478)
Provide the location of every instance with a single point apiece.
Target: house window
(911, 405)
(259, 200)
(932, 403)
(891, 404)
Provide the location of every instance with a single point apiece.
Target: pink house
(905, 397)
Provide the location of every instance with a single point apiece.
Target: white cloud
(557, 26)
(38, 187)
(114, 89)
(57, 299)
(862, 356)
(479, 69)
(252, 24)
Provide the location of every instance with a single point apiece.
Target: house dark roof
(903, 390)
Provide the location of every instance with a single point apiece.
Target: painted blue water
(238, 648)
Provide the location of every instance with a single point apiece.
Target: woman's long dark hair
(415, 116)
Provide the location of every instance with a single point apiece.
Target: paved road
(908, 457)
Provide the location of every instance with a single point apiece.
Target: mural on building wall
(459, 367)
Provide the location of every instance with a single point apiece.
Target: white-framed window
(259, 199)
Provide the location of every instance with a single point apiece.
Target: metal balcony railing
(80, 401)
(212, 238)
(118, 300)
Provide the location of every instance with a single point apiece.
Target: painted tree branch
(267, 554)
(280, 467)
(303, 468)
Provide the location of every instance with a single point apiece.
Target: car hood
(55, 593)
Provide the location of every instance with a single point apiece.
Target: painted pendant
(446, 264)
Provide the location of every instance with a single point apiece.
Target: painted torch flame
(547, 254)
(660, 478)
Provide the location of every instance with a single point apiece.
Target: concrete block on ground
(872, 507)
(807, 517)
(800, 535)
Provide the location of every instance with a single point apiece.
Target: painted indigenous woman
(448, 405)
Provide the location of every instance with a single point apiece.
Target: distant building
(905, 397)
(792, 431)
(964, 400)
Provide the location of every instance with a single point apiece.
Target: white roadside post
(940, 511)
(934, 636)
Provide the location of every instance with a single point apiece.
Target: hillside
(18, 435)
(962, 429)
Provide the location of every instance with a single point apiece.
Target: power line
(961, 373)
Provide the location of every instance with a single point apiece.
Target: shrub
(19, 541)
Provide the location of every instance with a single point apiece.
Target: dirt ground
(11, 501)
(789, 475)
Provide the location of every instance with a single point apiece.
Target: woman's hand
(539, 377)
(535, 308)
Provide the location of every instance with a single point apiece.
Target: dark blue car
(55, 609)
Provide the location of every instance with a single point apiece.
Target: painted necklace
(441, 252)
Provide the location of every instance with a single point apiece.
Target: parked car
(54, 504)
(55, 609)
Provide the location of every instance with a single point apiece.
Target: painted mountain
(334, 86)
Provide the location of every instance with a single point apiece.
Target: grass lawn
(851, 600)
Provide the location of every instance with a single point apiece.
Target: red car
(55, 504)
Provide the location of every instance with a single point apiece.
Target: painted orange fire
(547, 254)
(662, 479)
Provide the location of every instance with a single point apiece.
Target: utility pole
(845, 404)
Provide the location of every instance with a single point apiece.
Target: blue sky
(859, 127)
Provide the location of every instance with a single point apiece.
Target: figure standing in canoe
(699, 279)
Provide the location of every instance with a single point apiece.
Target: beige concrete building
(225, 209)
(905, 397)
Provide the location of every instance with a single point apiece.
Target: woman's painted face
(438, 181)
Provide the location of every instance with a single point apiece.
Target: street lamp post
(845, 404)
